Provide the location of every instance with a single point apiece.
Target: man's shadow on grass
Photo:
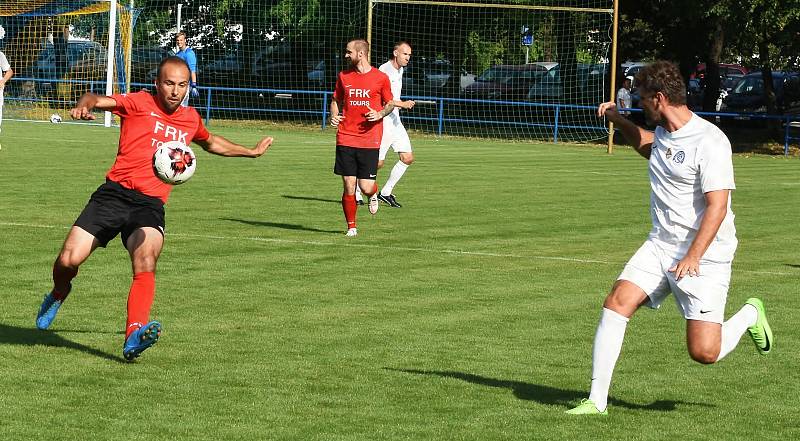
(546, 394)
(793, 265)
(13, 335)
(279, 225)
(309, 198)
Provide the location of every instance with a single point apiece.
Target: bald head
(171, 62)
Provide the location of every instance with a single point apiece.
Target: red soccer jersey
(145, 126)
(358, 92)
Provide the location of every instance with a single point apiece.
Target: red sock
(62, 276)
(140, 299)
(349, 207)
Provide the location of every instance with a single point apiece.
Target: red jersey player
(359, 91)
(131, 201)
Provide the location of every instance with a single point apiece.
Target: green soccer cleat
(587, 407)
(761, 333)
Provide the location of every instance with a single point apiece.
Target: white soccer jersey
(4, 66)
(684, 165)
(396, 82)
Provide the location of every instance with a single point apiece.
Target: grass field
(468, 314)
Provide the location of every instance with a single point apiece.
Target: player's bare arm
(408, 105)
(221, 146)
(641, 139)
(716, 209)
(374, 115)
(336, 117)
(90, 101)
(7, 76)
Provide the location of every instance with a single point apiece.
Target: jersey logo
(155, 114)
(669, 153)
(679, 157)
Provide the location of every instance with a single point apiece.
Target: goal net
(58, 51)
(514, 69)
(527, 69)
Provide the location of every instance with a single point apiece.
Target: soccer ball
(174, 162)
(55, 118)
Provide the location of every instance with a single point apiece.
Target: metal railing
(555, 124)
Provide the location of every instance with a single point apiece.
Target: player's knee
(67, 259)
(407, 159)
(145, 263)
(619, 303)
(704, 355)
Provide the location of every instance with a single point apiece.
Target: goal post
(518, 69)
(60, 49)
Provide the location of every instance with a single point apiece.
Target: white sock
(607, 347)
(394, 177)
(735, 327)
(358, 193)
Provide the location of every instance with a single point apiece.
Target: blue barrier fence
(441, 103)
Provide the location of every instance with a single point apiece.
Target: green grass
(467, 314)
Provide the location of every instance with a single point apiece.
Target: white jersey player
(7, 74)
(690, 248)
(394, 133)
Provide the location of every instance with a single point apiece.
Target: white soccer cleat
(373, 203)
(351, 232)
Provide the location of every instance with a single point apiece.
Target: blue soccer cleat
(48, 311)
(141, 339)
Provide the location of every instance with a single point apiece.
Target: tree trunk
(712, 78)
(766, 75)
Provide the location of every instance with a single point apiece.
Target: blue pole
(786, 138)
(324, 109)
(208, 107)
(555, 126)
(441, 116)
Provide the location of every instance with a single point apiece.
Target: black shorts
(361, 163)
(114, 209)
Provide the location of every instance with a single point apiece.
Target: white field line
(356, 245)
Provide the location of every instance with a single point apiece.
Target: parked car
(696, 91)
(273, 67)
(748, 95)
(144, 63)
(221, 70)
(587, 88)
(505, 82)
(86, 61)
(724, 70)
(433, 77)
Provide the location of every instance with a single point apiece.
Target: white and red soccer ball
(174, 162)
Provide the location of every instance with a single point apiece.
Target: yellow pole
(369, 23)
(613, 81)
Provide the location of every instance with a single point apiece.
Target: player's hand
(410, 104)
(335, 120)
(262, 146)
(194, 91)
(82, 112)
(372, 115)
(608, 110)
(688, 266)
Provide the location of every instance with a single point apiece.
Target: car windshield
(750, 86)
(504, 75)
(754, 85)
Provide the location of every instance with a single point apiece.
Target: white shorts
(701, 297)
(394, 136)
